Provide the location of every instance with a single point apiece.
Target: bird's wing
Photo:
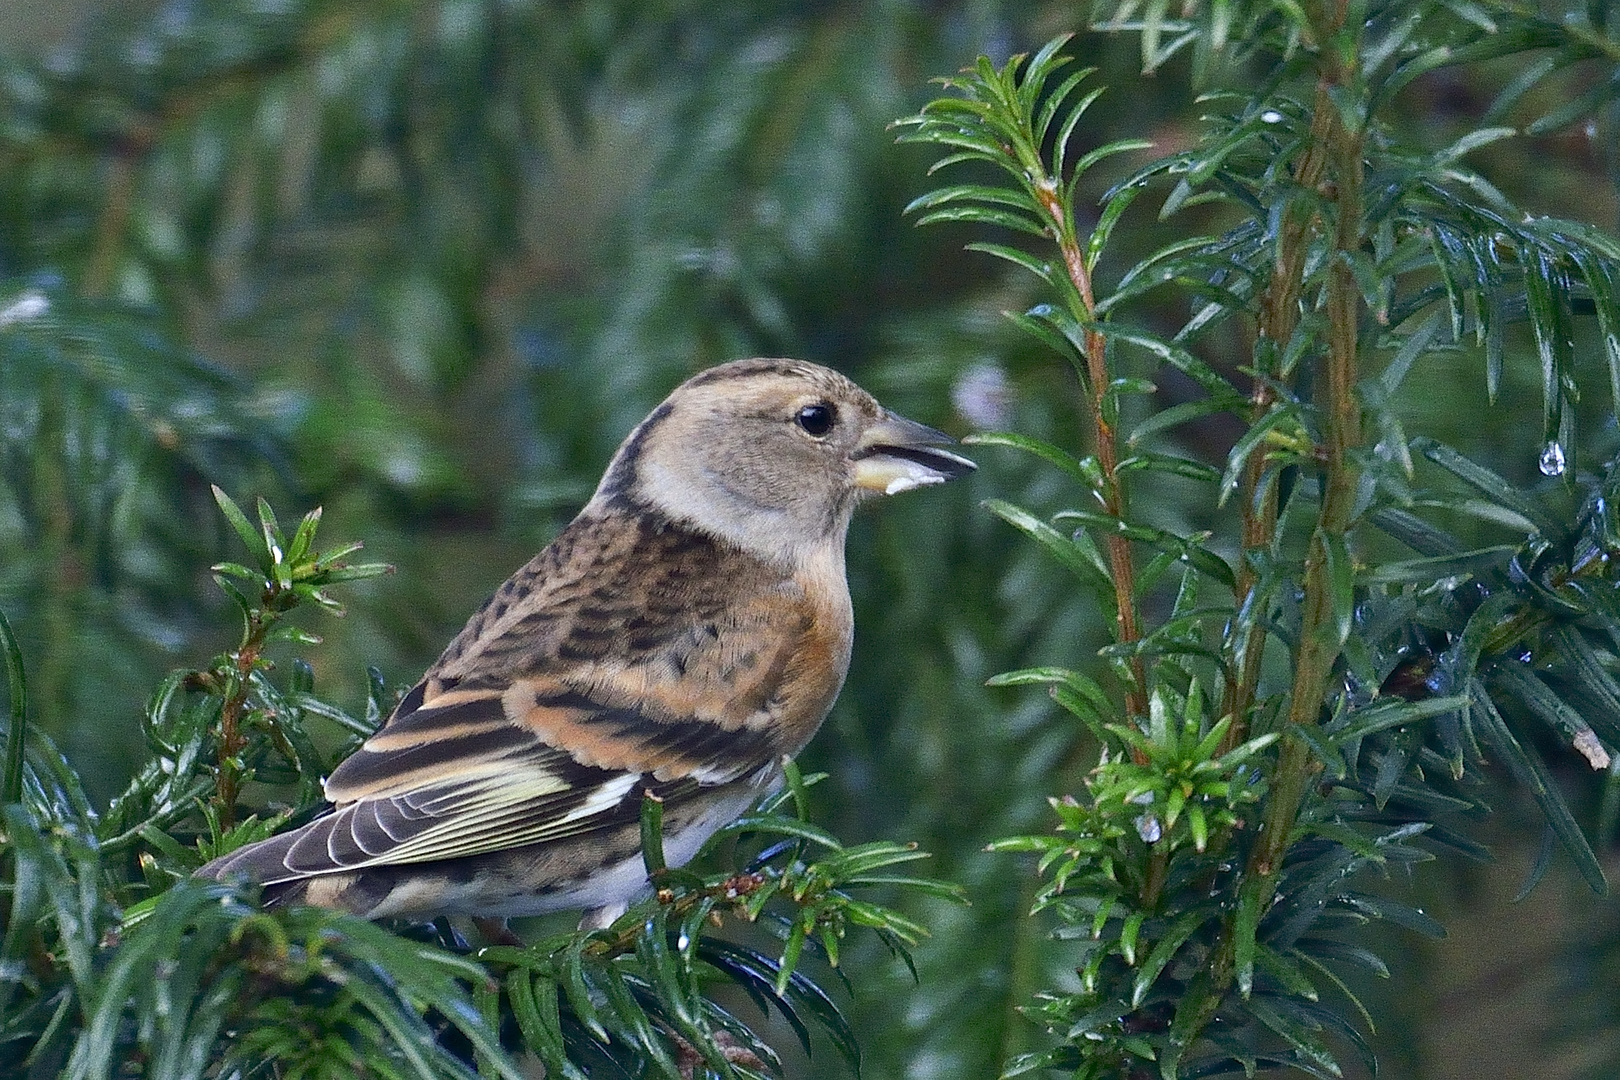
(629, 655)
(458, 777)
(551, 721)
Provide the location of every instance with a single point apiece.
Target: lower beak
(897, 454)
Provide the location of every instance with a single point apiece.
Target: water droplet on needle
(1552, 459)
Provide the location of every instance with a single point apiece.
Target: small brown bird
(689, 629)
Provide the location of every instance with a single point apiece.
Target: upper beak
(897, 454)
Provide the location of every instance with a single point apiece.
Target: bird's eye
(817, 419)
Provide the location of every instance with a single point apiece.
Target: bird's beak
(896, 454)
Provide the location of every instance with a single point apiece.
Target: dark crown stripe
(621, 475)
(744, 368)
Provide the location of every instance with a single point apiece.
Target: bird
(681, 638)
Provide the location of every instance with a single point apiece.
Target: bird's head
(774, 455)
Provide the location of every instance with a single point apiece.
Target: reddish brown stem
(1127, 627)
(1335, 148)
(228, 786)
(1278, 320)
(1319, 646)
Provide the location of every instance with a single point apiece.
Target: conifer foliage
(1209, 865)
(1251, 627)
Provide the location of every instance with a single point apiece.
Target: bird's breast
(821, 658)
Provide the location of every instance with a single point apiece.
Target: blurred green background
(426, 263)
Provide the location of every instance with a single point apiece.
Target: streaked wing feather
(459, 735)
(650, 736)
(457, 778)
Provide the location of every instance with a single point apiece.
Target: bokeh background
(425, 264)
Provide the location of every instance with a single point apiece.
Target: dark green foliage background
(424, 264)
